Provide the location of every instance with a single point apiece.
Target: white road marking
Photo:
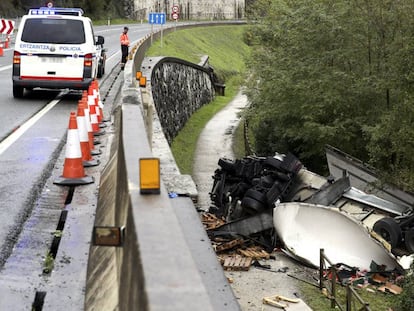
(5, 68)
(6, 143)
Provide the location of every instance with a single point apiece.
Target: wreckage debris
(251, 185)
(306, 228)
(254, 252)
(234, 253)
(279, 301)
(211, 221)
(236, 262)
(383, 281)
(246, 192)
(226, 245)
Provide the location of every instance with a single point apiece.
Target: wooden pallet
(236, 263)
(228, 245)
(254, 252)
(211, 221)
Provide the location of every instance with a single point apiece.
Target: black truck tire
(389, 230)
(252, 206)
(257, 195)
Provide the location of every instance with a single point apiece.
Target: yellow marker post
(143, 81)
(149, 175)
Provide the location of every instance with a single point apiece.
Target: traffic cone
(73, 171)
(1, 49)
(94, 113)
(87, 159)
(92, 140)
(92, 92)
(99, 103)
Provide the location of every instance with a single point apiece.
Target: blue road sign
(156, 18)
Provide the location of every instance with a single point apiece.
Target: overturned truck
(277, 197)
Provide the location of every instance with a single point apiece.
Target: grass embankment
(227, 52)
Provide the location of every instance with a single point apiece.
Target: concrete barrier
(166, 261)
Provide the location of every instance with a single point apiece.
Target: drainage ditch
(40, 295)
(51, 256)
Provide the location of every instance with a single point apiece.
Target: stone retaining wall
(179, 88)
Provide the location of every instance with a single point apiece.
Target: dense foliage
(405, 301)
(338, 73)
(97, 9)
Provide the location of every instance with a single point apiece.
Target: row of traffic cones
(84, 125)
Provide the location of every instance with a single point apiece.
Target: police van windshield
(51, 30)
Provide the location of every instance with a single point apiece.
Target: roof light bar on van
(56, 11)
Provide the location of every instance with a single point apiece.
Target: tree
(10, 8)
(327, 72)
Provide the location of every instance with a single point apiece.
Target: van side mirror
(100, 40)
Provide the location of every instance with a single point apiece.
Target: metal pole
(348, 298)
(321, 256)
(333, 283)
(161, 35)
(152, 31)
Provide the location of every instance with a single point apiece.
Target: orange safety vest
(124, 39)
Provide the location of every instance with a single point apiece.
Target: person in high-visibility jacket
(124, 46)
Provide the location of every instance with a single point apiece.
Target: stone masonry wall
(179, 88)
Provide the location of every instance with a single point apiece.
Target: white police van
(56, 48)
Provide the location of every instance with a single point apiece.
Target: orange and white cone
(93, 94)
(93, 111)
(99, 103)
(92, 140)
(87, 159)
(73, 171)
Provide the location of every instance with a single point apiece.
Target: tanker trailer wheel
(389, 230)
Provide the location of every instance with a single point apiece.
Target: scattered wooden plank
(237, 263)
(378, 278)
(229, 245)
(254, 252)
(389, 287)
(211, 221)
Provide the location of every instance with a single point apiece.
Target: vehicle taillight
(16, 58)
(87, 62)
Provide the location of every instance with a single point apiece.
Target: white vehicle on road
(56, 48)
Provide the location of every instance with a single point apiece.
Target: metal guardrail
(330, 286)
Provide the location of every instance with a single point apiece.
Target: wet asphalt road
(27, 160)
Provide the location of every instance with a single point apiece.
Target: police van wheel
(101, 70)
(18, 91)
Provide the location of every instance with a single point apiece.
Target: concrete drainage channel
(51, 255)
(72, 236)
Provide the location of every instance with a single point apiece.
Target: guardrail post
(348, 298)
(333, 287)
(321, 265)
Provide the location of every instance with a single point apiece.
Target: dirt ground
(251, 286)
